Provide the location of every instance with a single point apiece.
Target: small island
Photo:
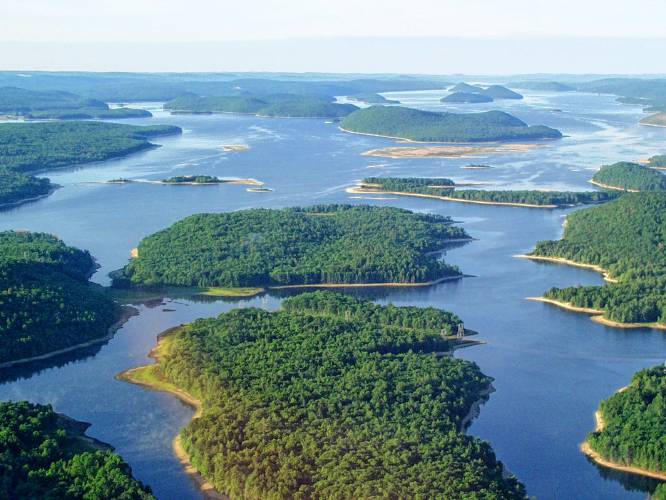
(329, 246)
(313, 386)
(655, 120)
(446, 190)
(631, 177)
(397, 122)
(48, 455)
(456, 151)
(189, 180)
(631, 426)
(476, 166)
(273, 106)
(491, 92)
(28, 148)
(235, 148)
(624, 240)
(370, 98)
(48, 304)
(57, 105)
(466, 98)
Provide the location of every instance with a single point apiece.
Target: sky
(342, 35)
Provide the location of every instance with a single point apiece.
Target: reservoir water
(551, 367)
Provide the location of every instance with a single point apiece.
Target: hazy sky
(38, 34)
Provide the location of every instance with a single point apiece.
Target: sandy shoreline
(248, 181)
(448, 151)
(587, 450)
(560, 260)
(361, 190)
(126, 314)
(596, 315)
(207, 489)
(614, 188)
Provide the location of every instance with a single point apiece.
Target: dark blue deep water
(551, 367)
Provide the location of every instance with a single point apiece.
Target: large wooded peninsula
(26, 148)
(324, 244)
(626, 238)
(276, 106)
(46, 301)
(46, 455)
(330, 397)
(631, 424)
(59, 105)
(630, 177)
(427, 126)
(446, 190)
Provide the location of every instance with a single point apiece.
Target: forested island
(626, 176)
(631, 427)
(370, 98)
(625, 239)
(318, 245)
(26, 148)
(46, 301)
(491, 92)
(446, 190)
(657, 161)
(285, 106)
(329, 397)
(466, 98)
(47, 455)
(427, 126)
(59, 105)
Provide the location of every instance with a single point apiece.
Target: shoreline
(29, 200)
(614, 188)
(475, 409)
(600, 460)
(573, 263)
(207, 489)
(360, 190)
(413, 141)
(367, 285)
(126, 313)
(596, 315)
(248, 181)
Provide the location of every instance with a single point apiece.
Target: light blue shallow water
(551, 367)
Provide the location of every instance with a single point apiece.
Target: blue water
(551, 367)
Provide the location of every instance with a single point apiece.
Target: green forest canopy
(283, 105)
(31, 147)
(46, 301)
(296, 246)
(627, 237)
(428, 126)
(635, 423)
(44, 456)
(630, 176)
(55, 104)
(466, 97)
(332, 397)
(446, 187)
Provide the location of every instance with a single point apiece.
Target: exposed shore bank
(149, 377)
(568, 262)
(596, 457)
(361, 190)
(614, 188)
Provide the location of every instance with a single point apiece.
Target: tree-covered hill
(543, 86)
(371, 98)
(32, 104)
(492, 92)
(446, 188)
(283, 105)
(466, 97)
(31, 147)
(46, 456)
(627, 237)
(631, 177)
(296, 246)
(428, 126)
(657, 161)
(634, 419)
(332, 397)
(46, 301)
